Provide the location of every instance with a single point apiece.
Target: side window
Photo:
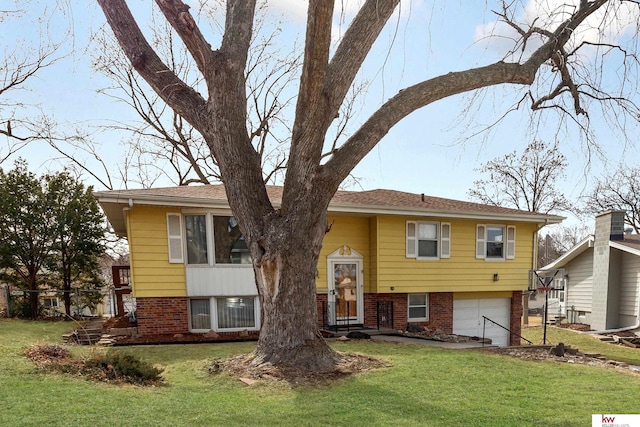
(196, 239)
(495, 242)
(428, 240)
(428, 236)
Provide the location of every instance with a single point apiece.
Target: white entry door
(345, 291)
(345, 285)
(468, 320)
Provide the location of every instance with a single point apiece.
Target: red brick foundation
(440, 310)
(161, 316)
(516, 318)
(169, 315)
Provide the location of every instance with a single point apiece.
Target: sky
(434, 151)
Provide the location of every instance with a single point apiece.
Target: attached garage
(467, 318)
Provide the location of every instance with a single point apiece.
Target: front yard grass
(584, 342)
(423, 387)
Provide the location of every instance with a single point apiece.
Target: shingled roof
(371, 202)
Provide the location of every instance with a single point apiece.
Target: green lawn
(583, 342)
(424, 386)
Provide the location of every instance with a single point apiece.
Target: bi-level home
(390, 259)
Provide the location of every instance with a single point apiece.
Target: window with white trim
(200, 314)
(206, 239)
(196, 239)
(418, 307)
(428, 240)
(234, 313)
(495, 242)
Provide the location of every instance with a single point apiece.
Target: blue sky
(431, 151)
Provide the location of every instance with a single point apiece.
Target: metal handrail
(484, 324)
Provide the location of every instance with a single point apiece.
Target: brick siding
(169, 315)
(440, 310)
(160, 316)
(516, 318)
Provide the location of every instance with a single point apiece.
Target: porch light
(496, 277)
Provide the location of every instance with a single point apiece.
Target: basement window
(418, 307)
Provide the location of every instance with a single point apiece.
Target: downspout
(534, 263)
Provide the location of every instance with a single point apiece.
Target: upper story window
(207, 240)
(196, 239)
(428, 240)
(230, 246)
(495, 242)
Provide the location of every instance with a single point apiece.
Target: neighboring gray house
(602, 276)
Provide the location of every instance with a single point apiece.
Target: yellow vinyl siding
(460, 273)
(482, 295)
(152, 274)
(373, 255)
(350, 231)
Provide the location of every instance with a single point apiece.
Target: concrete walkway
(425, 342)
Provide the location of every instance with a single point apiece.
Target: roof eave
(623, 247)
(571, 254)
(432, 213)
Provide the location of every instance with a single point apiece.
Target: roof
(366, 203)
(630, 244)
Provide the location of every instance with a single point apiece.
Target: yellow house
(390, 259)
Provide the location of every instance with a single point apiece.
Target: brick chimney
(606, 271)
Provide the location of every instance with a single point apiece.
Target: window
(230, 246)
(418, 308)
(204, 236)
(236, 312)
(196, 236)
(224, 313)
(50, 302)
(495, 242)
(428, 240)
(200, 314)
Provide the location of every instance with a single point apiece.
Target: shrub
(119, 366)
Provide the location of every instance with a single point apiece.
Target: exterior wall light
(496, 277)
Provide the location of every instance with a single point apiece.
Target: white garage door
(467, 318)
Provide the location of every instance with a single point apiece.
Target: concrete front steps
(83, 336)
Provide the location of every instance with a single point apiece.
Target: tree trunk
(33, 296)
(66, 297)
(286, 279)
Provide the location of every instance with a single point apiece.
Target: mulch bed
(575, 326)
(241, 367)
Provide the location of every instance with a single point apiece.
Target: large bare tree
(285, 241)
(619, 190)
(527, 182)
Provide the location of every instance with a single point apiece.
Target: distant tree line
(51, 238)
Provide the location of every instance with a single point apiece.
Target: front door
(346, 290)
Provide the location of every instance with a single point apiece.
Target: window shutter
(412, 231)
(511, 242)
(445, 240)
(481, 248)
(174, 233)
